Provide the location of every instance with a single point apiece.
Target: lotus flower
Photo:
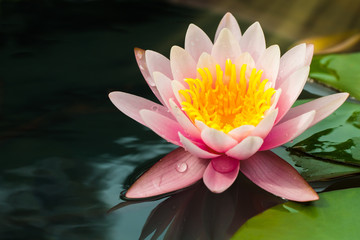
(224, 104)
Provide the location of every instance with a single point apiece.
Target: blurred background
(66, 152)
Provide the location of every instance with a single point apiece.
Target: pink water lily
(224, 104)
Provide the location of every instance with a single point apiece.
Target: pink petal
(177, 170)
(182, 64)
(287, 131)
(253, 41)
(245, 58)
(229, 22)
(291, 89)
(184, 121)
(246, 148)
(224, 164)
(163, 84)
(264, 127)
(291, 61)
(275, 100)
(141, 61)
(269, 62)
(163, 126)
(217, 140)
(197, 42)
(241, 132)
(194, 149)
(275, 175)
(131, 105)
(323, 106)
(176, 87)
(200, 125)
(225, 47)
(309, 53)
(158, 63)
(207, 61)
(218, 182)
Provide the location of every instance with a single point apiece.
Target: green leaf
(336, 138)
(334, 216)
(315, 169)
(339, 71)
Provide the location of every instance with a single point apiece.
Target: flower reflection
(196, 213)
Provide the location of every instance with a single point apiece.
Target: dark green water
(67, 153)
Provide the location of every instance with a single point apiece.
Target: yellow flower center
(229, 101)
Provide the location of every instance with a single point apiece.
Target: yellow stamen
(228, 101)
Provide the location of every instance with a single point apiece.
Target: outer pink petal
(184, 121)
(269, 62)
(253, 41)
(241, 132)
(194, 149)
(163, 84)
(182, 64)
(131, 105)
(225, 47)
(287, 131)
(229, 22)
(275, 175)
(218, 182)
(264, 127)
(217, 140)
(246, 148)
(291, 89)
(323, 106)
(291, 61)
(163, 126)
(309, 53)
(197, 42)
(158, 63)
(178, 169)
(142, 62)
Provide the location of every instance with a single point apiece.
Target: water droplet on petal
(154, 108)
(181, 167)
(157, 181)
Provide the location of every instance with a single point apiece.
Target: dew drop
(181, 167)
(154, 108)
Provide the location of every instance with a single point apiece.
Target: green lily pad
(334, 216)
(336, 138)
(315, 169)
(339, 71)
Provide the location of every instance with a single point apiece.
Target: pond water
(67, 153)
